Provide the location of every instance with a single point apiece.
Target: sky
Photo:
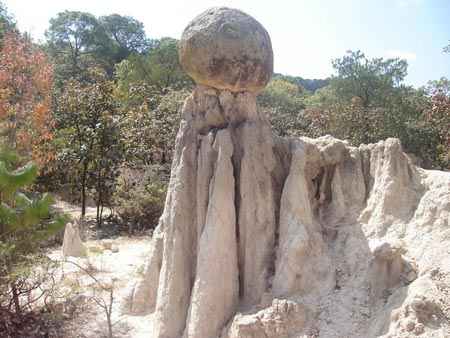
(306, 34)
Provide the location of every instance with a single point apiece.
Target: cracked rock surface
(227, 49)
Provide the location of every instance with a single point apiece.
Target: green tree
(126, 36)
(149, 130)
(372, 80)
(108, 150)
(160, 69)
(151, 90)
(366, 101)
(24, 224)
(79, 40)
(437, 116)
(73, 40)
(283, 103)
(140, 195)
(87, 139)
(308, 84)
(7, 22)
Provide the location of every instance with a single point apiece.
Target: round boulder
(227, 49)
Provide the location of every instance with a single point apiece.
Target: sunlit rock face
(264, 236)
(227, 49)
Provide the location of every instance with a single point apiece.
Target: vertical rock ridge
(396, 191)
(215, 294)
(144, 292)
(206, 159)
(282, 155)
(257, 212)
(302, 260)
(179, 219)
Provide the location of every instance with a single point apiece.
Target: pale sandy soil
(75, 211)
(119, 261)
(121, 267)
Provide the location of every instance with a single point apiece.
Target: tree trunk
(99, 201)
(83, 190)
(101, 214)
(16, 299)
(97, 217)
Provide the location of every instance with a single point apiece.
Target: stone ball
(227, 49)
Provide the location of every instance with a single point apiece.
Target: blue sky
(306, 34)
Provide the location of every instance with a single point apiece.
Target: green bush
(139, 197)
(25, 224)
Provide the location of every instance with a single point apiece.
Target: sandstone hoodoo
(227, 49)
(263, 236)
(72, 244)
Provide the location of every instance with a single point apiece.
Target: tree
(108, 150)
(366, 102)
(361, 103)
(160, 69)
(79, 40)
(87, 139)
(438, 116)
(283, 102)
(73, 39)
(7, 22)
(26, 79)
(151, 90)
(148, 133)
(126, 36)
(372, 80)
(24, 224)
(149, 130)
(308, 84)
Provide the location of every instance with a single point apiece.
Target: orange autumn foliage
(26, 79)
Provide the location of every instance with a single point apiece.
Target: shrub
(25, 223)
(139, 197)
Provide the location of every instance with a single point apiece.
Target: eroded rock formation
(227, 49)
(269, 237)
(72, 244)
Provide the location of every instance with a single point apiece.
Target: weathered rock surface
(142, 297)
(215, 294)
(227, 49)
(179, 246)
(396, 188)
(256, 222)
(250, 218)
(281, 319)
(269, 237)
(303, 264)
(72, 244)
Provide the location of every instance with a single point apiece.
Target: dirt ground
(119, 267)
(115, 262)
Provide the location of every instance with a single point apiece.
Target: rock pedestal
(268, 237)
(72, 244)
(219, 218)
